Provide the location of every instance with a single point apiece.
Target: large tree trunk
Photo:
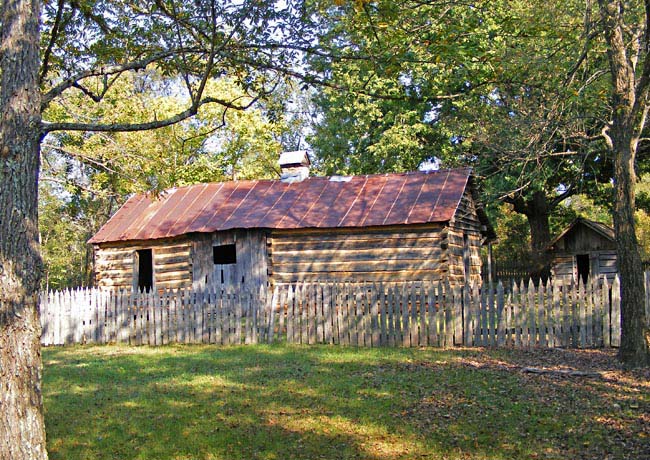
(629, 101)
(537, 209)
(634, 331)
(22, 430)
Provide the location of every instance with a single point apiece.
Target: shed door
(144, 267)
(582, 266)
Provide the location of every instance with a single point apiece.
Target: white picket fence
(357, 314)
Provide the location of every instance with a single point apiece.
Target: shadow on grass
(291, 402)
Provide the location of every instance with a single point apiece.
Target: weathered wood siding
(115, 265)
(582, 240)
(607, 264)
(564, 266)
(600, 263)
(372, 254)
(249, 271)
(465, 242)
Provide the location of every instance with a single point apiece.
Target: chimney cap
(297, 157)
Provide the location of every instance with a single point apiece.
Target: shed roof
(316, 202)
(604, 230)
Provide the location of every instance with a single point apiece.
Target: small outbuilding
(383, 227)
(584, 249)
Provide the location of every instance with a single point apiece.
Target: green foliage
(509, 88)
(87, 176)
(218, 143)
(400, 67)
(64, 231)
(513, 244)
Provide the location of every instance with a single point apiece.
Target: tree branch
(570, 191)
(70, 82)
(131, 127)
(53, 37)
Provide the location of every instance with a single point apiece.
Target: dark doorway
(145, 269)
(582, 261)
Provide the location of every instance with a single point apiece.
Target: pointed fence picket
(558, 314)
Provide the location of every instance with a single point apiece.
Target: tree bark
(629, 102)
(22, 429)
(633, 350)
(537, 209)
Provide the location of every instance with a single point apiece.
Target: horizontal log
(332, 255)
(176, 275)
(184, 240)
(359, 266)
(115, 274)
(167, 268)
(354, 244)
(114, 257)
(608, 271)
(167, 251)
(115, 282)
(406, 275)
(120, 264)
(473, 239)
(172, 284)
(607, 263)
(169, 259)
(357, 233)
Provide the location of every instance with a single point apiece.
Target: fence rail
(357, 314)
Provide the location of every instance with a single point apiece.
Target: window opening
(224, 254)
(582, 261)
(145, 269)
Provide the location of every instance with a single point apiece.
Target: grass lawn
(319, 402)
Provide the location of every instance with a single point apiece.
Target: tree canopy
(511, 90)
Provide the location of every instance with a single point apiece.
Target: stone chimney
(294, 166)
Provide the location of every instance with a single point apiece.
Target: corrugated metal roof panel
(385, 201)
(408, 196)
(430, 193)
(317, 202)
(312, 189)
(451, 192)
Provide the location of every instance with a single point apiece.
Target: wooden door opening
(224, 257)
(145, 269)
(582, 264)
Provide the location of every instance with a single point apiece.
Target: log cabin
(384, 227)
(585, 248)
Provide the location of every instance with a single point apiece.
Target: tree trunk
(629, 101)
(540, 232)
(537, 210)
(634, 331)
(22, 430)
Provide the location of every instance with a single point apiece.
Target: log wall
(600, 263)
(116, 265)
(465, 240)
(379, 254)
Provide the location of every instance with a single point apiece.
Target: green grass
(318, 402)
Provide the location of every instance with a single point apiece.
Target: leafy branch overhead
(88, 46)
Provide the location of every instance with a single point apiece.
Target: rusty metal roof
(316, 202)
